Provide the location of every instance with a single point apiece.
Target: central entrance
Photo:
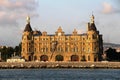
(74, 58)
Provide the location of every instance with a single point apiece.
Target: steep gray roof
(28, 28)
(93, 27)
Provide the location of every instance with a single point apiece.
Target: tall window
(60, 49)
(88, 58)
(75, 49)
(67, 49)
(45, 49)
(95, 49)
(88, 50)
(41, 49)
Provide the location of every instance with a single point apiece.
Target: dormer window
(75, 32)
(44, 33)
(59, 32)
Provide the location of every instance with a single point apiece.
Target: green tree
(17, 50)
(6, 52)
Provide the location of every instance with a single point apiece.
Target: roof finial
(28, 19)
(92, 18)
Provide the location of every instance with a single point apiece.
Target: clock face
(59, 34)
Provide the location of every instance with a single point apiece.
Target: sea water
(59, 74)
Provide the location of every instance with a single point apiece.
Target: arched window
(74, 58)
(44, 58)
(59, 58)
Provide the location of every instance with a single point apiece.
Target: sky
(48, 15)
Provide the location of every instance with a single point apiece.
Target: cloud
(18, 4)
(111, 9)
(107, 8)
(12, 10)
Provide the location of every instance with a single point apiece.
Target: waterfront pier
(32, 65)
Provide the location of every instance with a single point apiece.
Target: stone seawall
(32, 65)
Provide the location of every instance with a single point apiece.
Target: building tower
(27, 42)
(94, 41)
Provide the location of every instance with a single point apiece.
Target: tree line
(111, 55)
(8, 52)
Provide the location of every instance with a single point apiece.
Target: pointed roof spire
(92, 18)
(28, 26)
(92, 24)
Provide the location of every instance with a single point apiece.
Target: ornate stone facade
(60, 46)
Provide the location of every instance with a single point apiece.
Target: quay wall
(32, 65)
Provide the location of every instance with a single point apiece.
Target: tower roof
(92, 23)
(93, 27)
(28, 26)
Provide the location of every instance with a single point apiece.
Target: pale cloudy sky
(48, 15)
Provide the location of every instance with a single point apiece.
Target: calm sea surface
(60, 74)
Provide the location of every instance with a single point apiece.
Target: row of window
(60, 49)
(71, 43)
(62, 39)
(58, 39)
